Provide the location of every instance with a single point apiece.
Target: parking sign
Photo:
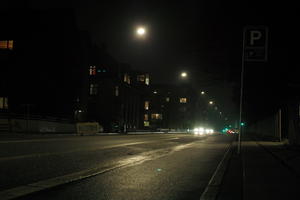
(256, 43)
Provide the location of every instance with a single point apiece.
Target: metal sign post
(255, 43)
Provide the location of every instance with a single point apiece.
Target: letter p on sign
(254, 36)
(255, 43)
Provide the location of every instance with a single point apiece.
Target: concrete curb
(212, 189)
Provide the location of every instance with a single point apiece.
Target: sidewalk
(265, 170)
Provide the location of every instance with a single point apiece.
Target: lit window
(93, 89)
(146, 105)
(3, 103)
(7, 44)
(146, 123)
(126, 78)
(92, 70)
(147, 80)
(117, 91)
(141, 78)
(168, 99)
(101, 70)
(156, 116)
(146, 117)
(182, 100)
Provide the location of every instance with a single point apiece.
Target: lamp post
(141, 31)
(183, 75)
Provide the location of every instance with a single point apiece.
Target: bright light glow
(202, 92)
(211, 103)
(203, 131)
(141, 31)
(183, 74)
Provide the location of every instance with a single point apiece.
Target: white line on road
(57, 181)
(212, 189)
(78, 150)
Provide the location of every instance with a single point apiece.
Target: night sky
(202, 37)
(197, 36)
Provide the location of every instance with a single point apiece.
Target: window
(146, 123)
(147, 79)
(156, 116)
(92, 70)
(101, 70)
(183, 100)
(7, 44)
(126, 78)
(146, 105)
(3, 103)
(141, 78)
(117, 91)
(146, 117)
(93, 89)
(167, 99)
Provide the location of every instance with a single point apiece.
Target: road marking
(70, 137)
(57, 181)
(212, 189)
(78, 150)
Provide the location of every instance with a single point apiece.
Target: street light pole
(241, 94)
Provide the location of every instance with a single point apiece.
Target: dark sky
(200, 36)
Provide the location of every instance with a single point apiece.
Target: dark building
(42, 62)
(115, 93)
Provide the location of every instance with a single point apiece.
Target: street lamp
(140, 31)
(202, 93)
(211, 102)
(183, 74)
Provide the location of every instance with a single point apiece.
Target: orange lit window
(146, 117)
(7, 44)
(156, 116)
(3, 103)
(183, 100)
(92, 70)
(146, 105)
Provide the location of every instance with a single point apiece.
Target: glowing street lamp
(202, 93)
(140, 31)
(211, 102)
(183, 74)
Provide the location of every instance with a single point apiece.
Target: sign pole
(241, 94)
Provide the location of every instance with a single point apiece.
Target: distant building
(170, 107)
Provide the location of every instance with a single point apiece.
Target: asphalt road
(153, 166)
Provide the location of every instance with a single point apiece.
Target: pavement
(263, 170)
(148, 166)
